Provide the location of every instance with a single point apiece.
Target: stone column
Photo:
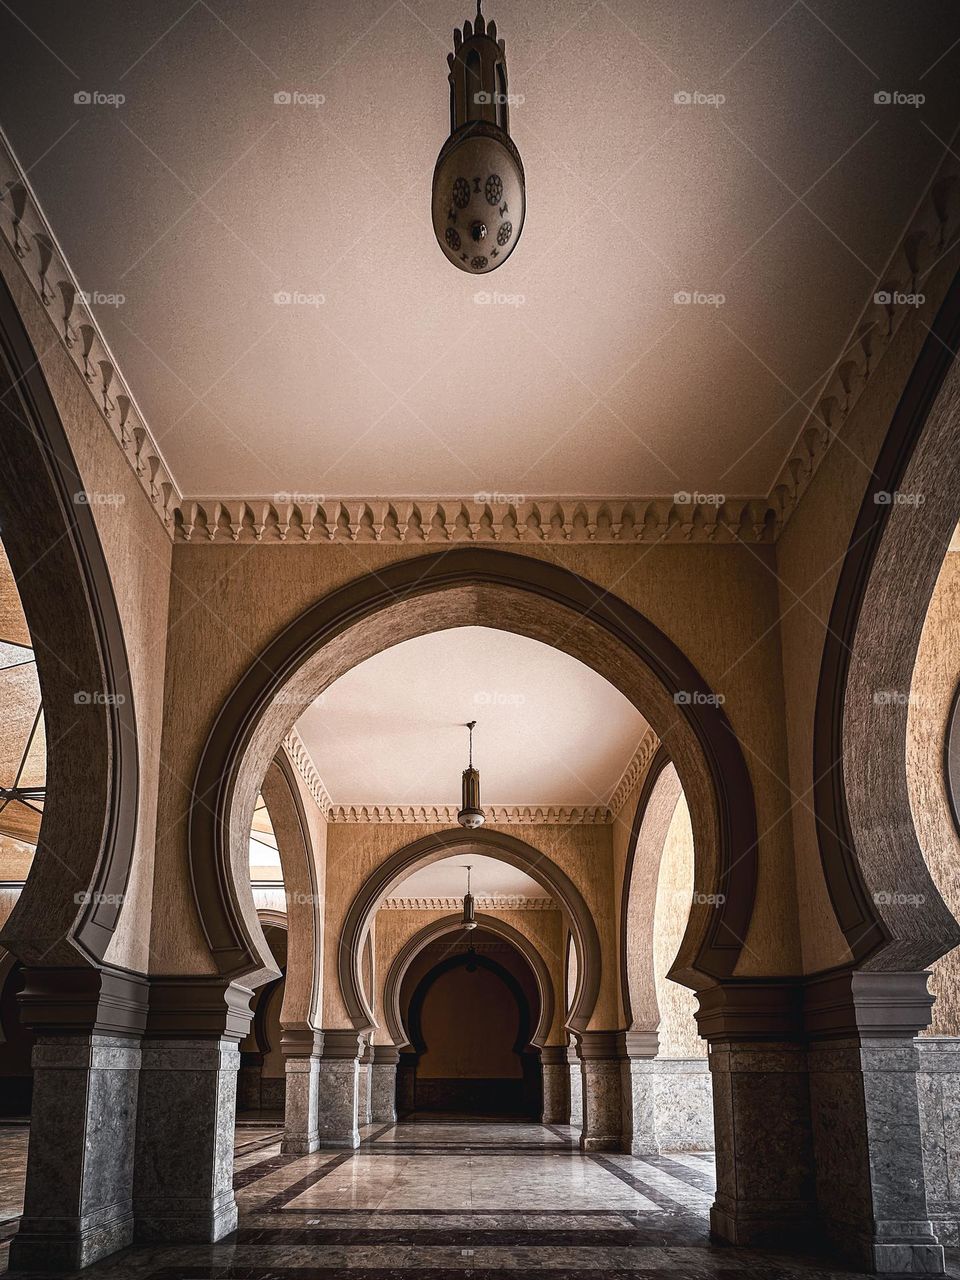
(556, 1084)
(575, 1085)
(339, 1089)
(637, 1051)
(383, 1084)
(938, 1085)
(863, 1063)
(183, 1183)
(77, 1202)
(765, 1184)
(363, 1087)
(602, 1115)
(301, 1047)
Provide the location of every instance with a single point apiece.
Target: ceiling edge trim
(31, 239)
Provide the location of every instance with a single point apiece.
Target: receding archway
(444, 844)
(452, 924)
(486, 587)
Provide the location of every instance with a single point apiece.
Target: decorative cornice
(32, 240)
(302, 761)
(297, 518)
(446, 814)
(496, 815)
(500, 902)
(634, 771)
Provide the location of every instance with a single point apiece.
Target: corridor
(450, 1198)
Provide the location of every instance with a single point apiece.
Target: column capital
(385, 1055)
(84, 1001)
(637, 1044)
(751, 1010)
(598, 1046)
(339, 1043)
(189, 1007)
(552, 1055)
(853, 1004)
(301, 1042)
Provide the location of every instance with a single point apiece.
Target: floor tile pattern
(452, 1200)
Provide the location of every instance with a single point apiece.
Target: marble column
(602, 1113)
(575, 1087)
(183, 1182)
(339, 1089)
(765, 1178)
(556, 1084)
(863, 1063)
(363, 1087)
(383, 1084)
(938, 1086)
(637, 1051)
(77, 1200)
(302, 1048)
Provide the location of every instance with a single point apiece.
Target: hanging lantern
(479, 199)
(469, 918)
(471, 815)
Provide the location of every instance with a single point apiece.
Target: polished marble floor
(451, 1200)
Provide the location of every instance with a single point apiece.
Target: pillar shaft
(938, 1085)
(383, 1084)
(575, 1085)
(77, 1201)
(183, 1186)
(339, 1089)
(602, 1099)
(302, 1048)
(556, 1085)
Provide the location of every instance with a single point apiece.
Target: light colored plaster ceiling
(490, 878)
(549, 729)
(199, 198)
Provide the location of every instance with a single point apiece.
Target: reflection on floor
(451, 1199)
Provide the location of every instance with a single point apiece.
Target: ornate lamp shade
(479, 197)
(470, 814)
(23, 756)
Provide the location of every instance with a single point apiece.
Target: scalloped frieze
(499, 902)
(31, 238)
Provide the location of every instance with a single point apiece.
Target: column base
(49, 1244)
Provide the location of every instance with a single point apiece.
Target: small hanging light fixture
(469, 919)
(471, 815)
(479, 196)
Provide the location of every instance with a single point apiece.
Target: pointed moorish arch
(70, 905)
(868, 842)
(392, 1013)
(474, 586)
(656, 806)
(490, 844)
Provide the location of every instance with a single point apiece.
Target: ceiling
(490, 878)
(199, 198)
(549, 729)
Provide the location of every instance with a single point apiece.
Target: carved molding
(497, 902)
(298, 518)
(302, 761)
(32, 240)
(454, 520)
(634, 771)
(446, 814)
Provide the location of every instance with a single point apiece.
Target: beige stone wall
(139, 554)
(543, 929)
(720, 608)
(355, 850)
(809, 554)
(675, 885)
(935, 681)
